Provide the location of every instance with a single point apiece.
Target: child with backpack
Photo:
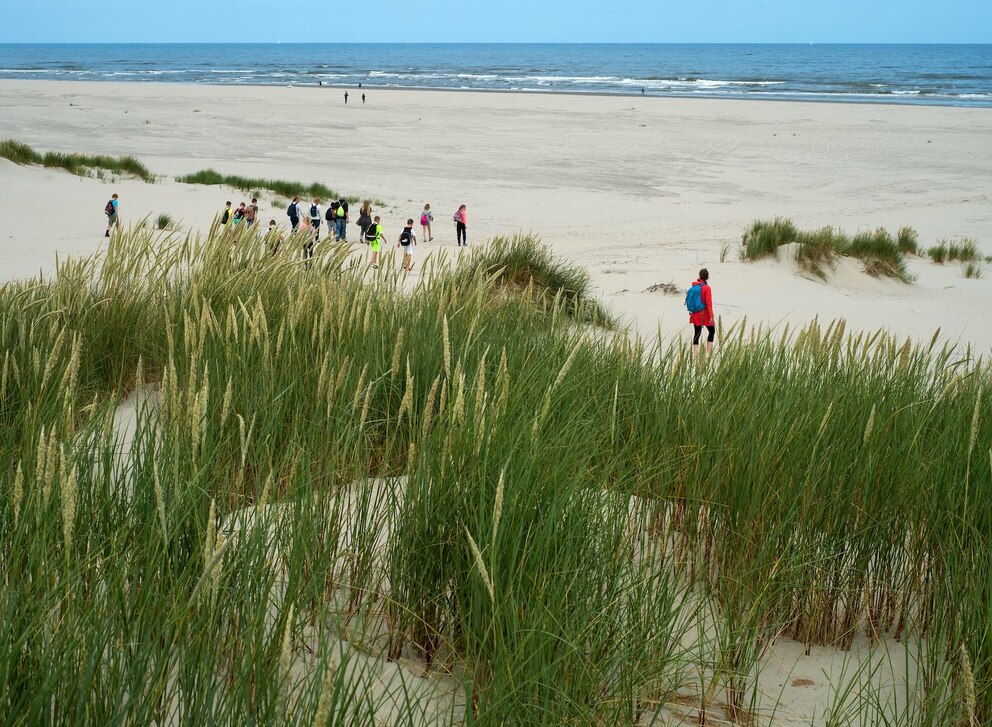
(426, 218)
(315, 218)
(111, 211)
(374, 237)
(408, 241)
(226, 216)
(699, 303)
(331, 217)
(294, 212)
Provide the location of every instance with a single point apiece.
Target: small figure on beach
(112, 210)
(364, 220)
(408, 241)
(341, 219)
(239, 213)
(315, 218)
(346, 97)
(426, 219)
(642, 91)
(699, 303)
(374, 236)
(461, 226)
(227, 215)
(363, 98)
(294, 212)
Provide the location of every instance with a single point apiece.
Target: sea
(956, 75)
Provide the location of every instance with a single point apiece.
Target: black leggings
(461, 232)
(699, 329)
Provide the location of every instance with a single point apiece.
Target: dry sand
(638, 190)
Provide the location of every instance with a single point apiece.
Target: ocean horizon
(917, 74)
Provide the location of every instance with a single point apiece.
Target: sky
(622, 21)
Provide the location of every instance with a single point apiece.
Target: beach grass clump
(338, 485)
(816, 250)
(880, 253)
(253, 184)
(938, 253)
(164, 221)
(972, 270)
(523, 265)
(18, 152)
(79, 164)
(965, 250)
(764, 238)
(908, 240)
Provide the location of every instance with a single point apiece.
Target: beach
(641, 191)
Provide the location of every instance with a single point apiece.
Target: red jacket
(704, 317)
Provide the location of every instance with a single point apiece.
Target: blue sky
(661, 21)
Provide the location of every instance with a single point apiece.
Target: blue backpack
(694, 298)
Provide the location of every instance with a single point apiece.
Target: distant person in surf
(699, 303)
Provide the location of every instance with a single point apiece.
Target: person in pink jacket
(705, 316)
(461, 226)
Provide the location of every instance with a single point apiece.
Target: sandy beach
(638, 190)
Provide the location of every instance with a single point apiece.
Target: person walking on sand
(426, 219)
(112, 210)
(699, 303)
(226, 215)
(315, 218)
(363, 98)
(251, 214)
(461, 226)
(341, 218)
(294, 213)
(364, 220)
(374, 235)
(331, 216)
(239, 214)
(408, 241)
(346, 97)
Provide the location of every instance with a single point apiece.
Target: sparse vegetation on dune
(79, 164)
(881, 253)
(557, 527)
(251, 184)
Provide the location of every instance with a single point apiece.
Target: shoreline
(820, 99)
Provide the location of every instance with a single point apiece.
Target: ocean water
(959, 75)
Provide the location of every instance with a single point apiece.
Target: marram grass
(544, 517)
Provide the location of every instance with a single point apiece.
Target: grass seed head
(17, 493)
(869, 426)
(481, 566)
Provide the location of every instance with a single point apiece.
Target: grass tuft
(79, 164)
(816, 251)
(163, 221)
(972, 270)
(255, 185)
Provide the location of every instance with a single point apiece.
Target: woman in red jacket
(705, 316)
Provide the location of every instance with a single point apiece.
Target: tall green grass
(79, 164)
(247, 184)
(557, 526)
(880, 252)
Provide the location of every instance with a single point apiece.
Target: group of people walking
(306, 223)
(306, 226)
